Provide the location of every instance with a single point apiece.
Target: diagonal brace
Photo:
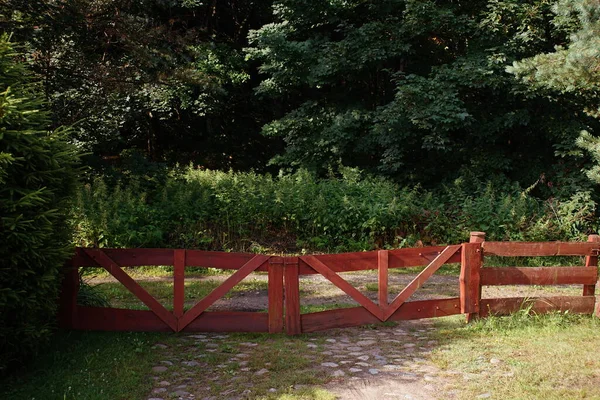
(338, 281)
(419, 280)
(220, 291)
(115, 270)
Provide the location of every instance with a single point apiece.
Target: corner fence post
(293, 324)
(67, 308)
(470, 279)
(592, 262)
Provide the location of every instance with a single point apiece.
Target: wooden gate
(284, 273)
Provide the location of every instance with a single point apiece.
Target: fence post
(179, 261)
(470, 280)
(67, 310)
(275, 292)
(592, 262)
(293, 324)
(382, 277)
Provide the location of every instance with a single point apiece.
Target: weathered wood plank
(470, 281)
(498, 276)
(128, 257)
(592, 263)
(220, 260)
(116, 319)
(540, 305)
(178, 282)
(420, 279)
(382, 277)
(115, 270)
(275, 291)
(532, 249)
(356, 316)
(293, 323)
(220, 291)
(343, 285)
(67, 309)
(229, 321)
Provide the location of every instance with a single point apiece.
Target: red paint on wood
(67, 311)
(356, 316)
(470, 282)
(178, 282)
(382, 277)
(115, 270)
(229, 321)
(591, 262)
(220, 291)
(115, 319)
(220, 260)
(345, 286)
(420, 279)
(540, 305)
(531, 249)
(129, 257)
(497, 276)
(292, 299)
(275, 298)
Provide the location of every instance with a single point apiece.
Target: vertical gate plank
(178, 282)
(592, 262)
(382, 271)
(470, 274)
(275, 291)
(67, 312)
(292, 300)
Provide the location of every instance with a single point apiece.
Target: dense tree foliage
(37, 178)
(414, 89)
(167, 78)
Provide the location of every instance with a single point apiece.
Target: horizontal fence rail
(283, 312)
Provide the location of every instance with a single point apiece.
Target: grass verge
(87, 365)
(522, 356)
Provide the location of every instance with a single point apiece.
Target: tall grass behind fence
(214, 210)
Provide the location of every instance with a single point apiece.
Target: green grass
(87, 365)
(120, 297)
(541, 356)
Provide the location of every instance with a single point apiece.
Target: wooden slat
(178, 282)
(221, 290)
(420, 279)
(345, 286)
(531, 249)
(592, 263)
(128, 257)
(540, 305)
(356, 316)
(382, 277)
(360, 261)
(470, 285)
(115, 270)
(220, 260)
(229, 321)
(293, 324)
(497, 276)
(115, 319)
(275, 292)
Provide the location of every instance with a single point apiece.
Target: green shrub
(245, 211)
(37, 177)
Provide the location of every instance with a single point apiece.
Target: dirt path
(388, 362)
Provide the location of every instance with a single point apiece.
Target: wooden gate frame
(284, 286)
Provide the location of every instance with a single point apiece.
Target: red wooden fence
(284, 274)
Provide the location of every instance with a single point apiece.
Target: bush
(37, 177)
(214, 210)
